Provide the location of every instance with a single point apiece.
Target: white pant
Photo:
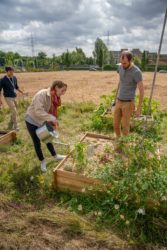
(11, 102)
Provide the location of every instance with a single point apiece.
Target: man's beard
(127, 67)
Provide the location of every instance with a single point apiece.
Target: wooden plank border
(7, 137)
(74, 181)
(66, 180)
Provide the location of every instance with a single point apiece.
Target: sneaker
(59, 157)
(43, 166)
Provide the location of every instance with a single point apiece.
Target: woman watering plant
(44, 109)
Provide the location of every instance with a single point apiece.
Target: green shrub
(79, 156)
(153, 127)
(100, 122)
(107, 67)
(155, 106)
(136, 195)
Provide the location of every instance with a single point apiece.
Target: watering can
(46, 133)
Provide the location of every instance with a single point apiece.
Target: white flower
(127, 222)
(80, 207)
(83, 190)
(122, 216)
(158, 153)
(164, 198)
(99, 213)
(31, 178)
(116, 206)
(141, 211)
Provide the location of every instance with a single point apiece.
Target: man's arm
(23, 93)
(20, 91)
(141, 96)
(17, 87)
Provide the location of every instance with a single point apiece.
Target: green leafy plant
(100, 122)
(79, 156)
(155, 106)
(136, 196)
(152, 129)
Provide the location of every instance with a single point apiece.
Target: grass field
(34, 215)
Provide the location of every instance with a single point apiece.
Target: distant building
(116, 56)
(152, 56)
(163, 58)
(123, 50)
(137, 53)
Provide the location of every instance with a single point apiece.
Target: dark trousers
(37, 144)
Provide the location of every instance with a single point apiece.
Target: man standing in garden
(9, 85)
(130, 78)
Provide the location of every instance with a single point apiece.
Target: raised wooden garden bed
(73, 180)
(7, 136)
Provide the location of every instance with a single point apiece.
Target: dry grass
(88, 86)
(23, 227)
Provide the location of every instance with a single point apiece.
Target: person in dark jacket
(9, 85)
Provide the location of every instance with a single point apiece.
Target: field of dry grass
(88, 86)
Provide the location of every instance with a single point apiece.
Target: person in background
(9, 85)
(130, 78)
(44, 108)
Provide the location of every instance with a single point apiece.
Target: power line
(108, 39)
(32, 46)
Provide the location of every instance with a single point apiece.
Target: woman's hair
(127, 54)
(58, 84)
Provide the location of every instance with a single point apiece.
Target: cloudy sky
(57, 25)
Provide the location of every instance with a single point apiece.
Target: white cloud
(59, 24)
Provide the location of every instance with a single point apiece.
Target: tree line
(101, 57)
(77, 57)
